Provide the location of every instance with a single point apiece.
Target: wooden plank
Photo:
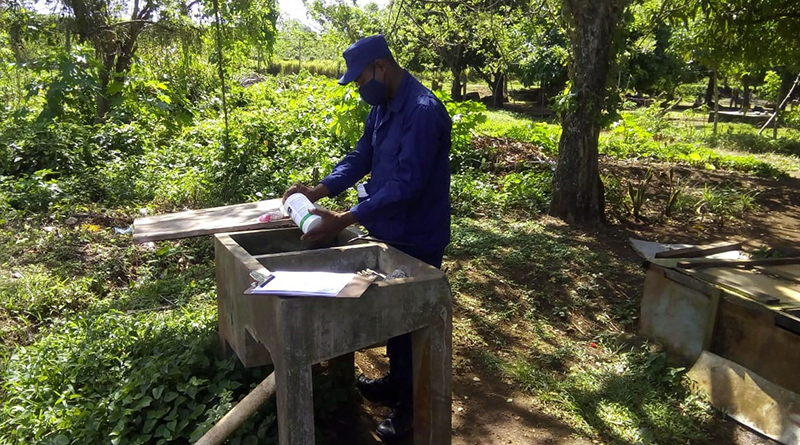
(789, 272)
(750, 285)
(789, 320)
(699, 251)
(201, 222)
(701, 263)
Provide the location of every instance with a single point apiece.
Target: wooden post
(783, 103)
(716, 102)
(240, 413)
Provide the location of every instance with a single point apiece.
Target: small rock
(466, 397)
(143, 212)
(398, 273)
(509, 400)
(48, 228)
(476, 379)
(460, 408)
(71, 221)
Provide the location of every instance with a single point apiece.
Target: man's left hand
(332, 224)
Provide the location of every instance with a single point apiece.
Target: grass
(542, 306)
(506, 124)
(99, 336)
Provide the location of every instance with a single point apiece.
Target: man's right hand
(313, 194)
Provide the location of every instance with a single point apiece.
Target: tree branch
(132, 22)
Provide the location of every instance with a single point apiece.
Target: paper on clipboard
(313, 284)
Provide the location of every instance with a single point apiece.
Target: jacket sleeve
(355, 165)
(419, 146)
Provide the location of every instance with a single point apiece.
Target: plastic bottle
(298, 206)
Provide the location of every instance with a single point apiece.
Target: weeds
(723, 203)
(675, 192)
(536, 276)
(638, 193)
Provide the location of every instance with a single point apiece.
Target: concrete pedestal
(294, 333)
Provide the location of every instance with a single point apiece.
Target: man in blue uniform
(405, 202)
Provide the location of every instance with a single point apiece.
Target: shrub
(147, 378)
(466, 116)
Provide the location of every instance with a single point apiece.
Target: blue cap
(361, 54)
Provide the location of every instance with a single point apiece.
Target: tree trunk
(746, 94)
(577, 188)
(709, 99)
(114, 44)
(784, 91)
(456, 69)
(716, 103)
(455, 86)
(498, 86)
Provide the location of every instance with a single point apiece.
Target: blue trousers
(399, 348)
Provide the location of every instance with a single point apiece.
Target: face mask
(373, 92)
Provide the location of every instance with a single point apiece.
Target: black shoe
(398, 425)
(380, 390)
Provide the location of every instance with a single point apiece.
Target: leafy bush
(27, 146)
(466, 116)
(328, 68)
(691, 91)
(474, 192)
(34, 192)
(721, 203)
(284, 130)
(748, 140)
(503, 124)
(147, 378)
(627, 139)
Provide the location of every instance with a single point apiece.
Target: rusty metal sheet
(749, 398)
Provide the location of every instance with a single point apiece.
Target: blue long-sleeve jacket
(406, 147)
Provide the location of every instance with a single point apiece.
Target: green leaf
(143, 402)
(149, 424)
(157, 392)
(60, 440)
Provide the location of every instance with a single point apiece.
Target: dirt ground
(491, 412)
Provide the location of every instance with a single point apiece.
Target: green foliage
(628, 139)
(721, 203)
(145, 378)
(475, 193)
(71, 94)
(772, 87)
(675, 192)
(744, 138)
(328, 68)
(34, 192)
(638, 193)
(691, 91)
(466, 117)
(274, 141)
(517, 127)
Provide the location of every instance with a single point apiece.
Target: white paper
(304, 284)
